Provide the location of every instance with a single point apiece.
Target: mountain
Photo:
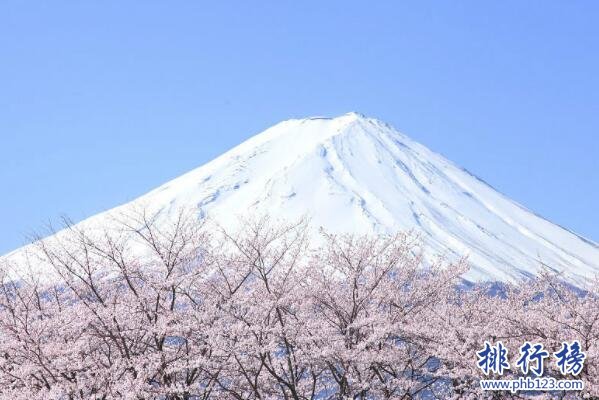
(357, 174)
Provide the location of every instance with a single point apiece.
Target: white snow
(358, 174)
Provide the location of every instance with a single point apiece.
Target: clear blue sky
(102, 101)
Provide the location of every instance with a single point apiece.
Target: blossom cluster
(187, 311)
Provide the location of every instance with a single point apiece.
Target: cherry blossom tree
(169, 307)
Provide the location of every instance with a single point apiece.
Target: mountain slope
(357, 174)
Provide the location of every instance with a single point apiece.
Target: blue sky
(102, 101)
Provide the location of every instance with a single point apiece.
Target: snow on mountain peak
(353, 173)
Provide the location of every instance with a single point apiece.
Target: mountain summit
(358, 174)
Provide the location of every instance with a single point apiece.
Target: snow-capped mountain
(358, 174)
